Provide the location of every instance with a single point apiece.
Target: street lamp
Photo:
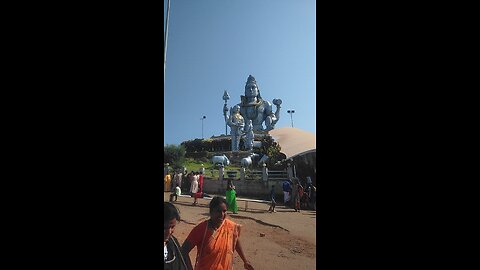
(202, 124)
(291, 113)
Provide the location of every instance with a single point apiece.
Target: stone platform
(247, 188)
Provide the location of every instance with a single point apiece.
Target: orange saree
(215, 251)
(167, 182)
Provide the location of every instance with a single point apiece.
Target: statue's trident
(225, 109)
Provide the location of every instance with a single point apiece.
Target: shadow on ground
(259, 222)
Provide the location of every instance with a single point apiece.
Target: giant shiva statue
(254, 108)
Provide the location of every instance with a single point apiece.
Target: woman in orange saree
(216, 240)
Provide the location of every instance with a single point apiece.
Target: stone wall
(248, 188)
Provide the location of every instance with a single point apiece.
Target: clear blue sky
(213, 45)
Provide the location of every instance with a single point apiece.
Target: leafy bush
(197, 155)
(210, 145)
(174, 154)
(272, 150)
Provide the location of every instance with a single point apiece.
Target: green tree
(174, 154)
(272, 150)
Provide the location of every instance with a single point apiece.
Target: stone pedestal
(265, 173)
(221, 173)
(289, 171)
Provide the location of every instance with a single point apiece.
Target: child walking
(272, 197)
(176, 192)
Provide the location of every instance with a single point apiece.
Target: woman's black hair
(215, 202)
(170, 212)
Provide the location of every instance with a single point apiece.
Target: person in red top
(216, 240)
(200, 182)
(300, 197)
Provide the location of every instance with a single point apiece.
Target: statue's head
(236, 109)
(251, 87)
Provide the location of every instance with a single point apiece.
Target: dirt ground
(289, 240)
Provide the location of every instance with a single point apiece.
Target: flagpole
(165, 41)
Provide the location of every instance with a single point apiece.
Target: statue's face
(251, 90)
(236, 109)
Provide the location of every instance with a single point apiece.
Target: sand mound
(294, 141)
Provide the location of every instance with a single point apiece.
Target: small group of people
(191, 183)
(175, 185)
(298, 195)
(171, 181)
(216, 240)
(196, 186)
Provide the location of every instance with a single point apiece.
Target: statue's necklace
(249, 113)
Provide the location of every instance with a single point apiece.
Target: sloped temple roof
(294, 141)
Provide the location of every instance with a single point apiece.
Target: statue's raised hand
(277, 102)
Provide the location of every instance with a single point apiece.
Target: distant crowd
(299, 194)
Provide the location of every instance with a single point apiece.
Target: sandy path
(289, 240)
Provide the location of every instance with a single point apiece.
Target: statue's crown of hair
(251, 79)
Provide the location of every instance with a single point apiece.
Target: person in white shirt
(194, 188)
(176, 192)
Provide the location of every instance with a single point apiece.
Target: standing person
(177, 179)
(199, 193)
(301, 197)
(231, 196)
(216, 240)
(190, 180)
(272, 197)
(314, 197)
(194, 189)
(295, 196)
(166, 182)
(185, 184)
(309, 182)
(172, 182)
(166, 169)
(172, 254)
(308, 186)
(200, 182)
